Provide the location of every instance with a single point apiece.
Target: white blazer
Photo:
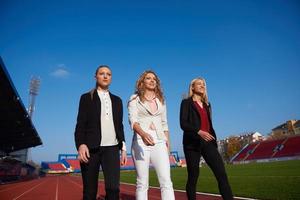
(141, 113)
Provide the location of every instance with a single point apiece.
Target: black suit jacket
(190, 123)
(88, 127)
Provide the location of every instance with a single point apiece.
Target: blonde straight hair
(204, 97)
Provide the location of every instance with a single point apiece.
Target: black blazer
(190, 123)
(88, 127)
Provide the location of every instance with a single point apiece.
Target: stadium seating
(10, 170)
(14, 170)
(285, 148)
(246, 151)
(290, 148)
(54, 167)
(68, 163)
(73, 164)
(265, 149)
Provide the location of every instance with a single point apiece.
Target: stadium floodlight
(33, 92)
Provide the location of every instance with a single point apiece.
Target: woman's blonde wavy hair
(140, 87)
(204, 97)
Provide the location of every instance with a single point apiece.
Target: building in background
(231, 145)
(290, 127)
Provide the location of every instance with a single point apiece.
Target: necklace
(150, 99)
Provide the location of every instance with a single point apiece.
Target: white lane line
(74, 182)
(203, 193)
(56, 195)
(28, 190)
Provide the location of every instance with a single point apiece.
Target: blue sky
(248, 51)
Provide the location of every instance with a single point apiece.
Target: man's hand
(83, 153)
(123, 158)
(206, 136)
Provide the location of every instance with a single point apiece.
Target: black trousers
(109, 159)
(214, 160)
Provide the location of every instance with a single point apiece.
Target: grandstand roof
(16, 128)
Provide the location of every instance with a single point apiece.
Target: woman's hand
(83, 153)
(168, 146)
(206, 136)
(123, 158)
(147, 139)
(168, 141)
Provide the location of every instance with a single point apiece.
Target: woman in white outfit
(148, 119)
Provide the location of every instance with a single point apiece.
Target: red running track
(66, 187)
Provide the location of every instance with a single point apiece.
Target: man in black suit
(99, 136)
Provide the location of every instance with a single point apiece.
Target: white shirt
(108, 132)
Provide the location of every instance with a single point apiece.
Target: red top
(205, 126)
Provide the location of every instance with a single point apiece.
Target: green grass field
(275, 180)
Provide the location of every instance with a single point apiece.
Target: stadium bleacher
(68, 163)
(10, 170)
(246, 151)
(288, 148)
(74, 164)
(265, 149)
(54, 167)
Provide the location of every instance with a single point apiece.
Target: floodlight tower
(33, 92)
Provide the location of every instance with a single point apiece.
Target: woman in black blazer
(199, 139)
(99, 137)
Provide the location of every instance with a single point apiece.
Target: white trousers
(159, 157)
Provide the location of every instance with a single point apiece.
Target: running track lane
(66, 187)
